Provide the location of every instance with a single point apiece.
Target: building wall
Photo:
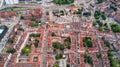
(4, 32)
(11, 1)
(30, 0)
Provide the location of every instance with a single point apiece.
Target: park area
(33, 39)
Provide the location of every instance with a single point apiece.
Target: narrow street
(43, 61)
(77, 48)
(100, 59)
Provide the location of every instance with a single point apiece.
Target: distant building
(37, 13)
(7, 15)
(30, 0)
(8, 2)
(11, 1)
(3, 59)
(38, 1)
(3, 30)
(49, 1)
(4, 3)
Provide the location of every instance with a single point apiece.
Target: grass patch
(26, 49)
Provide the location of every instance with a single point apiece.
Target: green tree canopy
(88, 59)
(56, 64)
(62, 47)
(58, 56)
(56, 45)
(11, 50)
(11, 40)
(115, 27)
(62, 2)
(87, 41)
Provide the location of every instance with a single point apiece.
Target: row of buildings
(18, 1)
(8, 3)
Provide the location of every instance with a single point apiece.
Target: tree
(11, 40)
(87, 14)
(68, 39)
(36, 43)
(0, 22)
(97, 14)
(67, 42)
(105, 25)
(100, 1)
(88, 59)
(68, 46)
(68, 65)
(113, 8)
(115, 27)
(94, 24)
(99, 55)
(62, 47)
(35, 35)
(58, 56)
(106, 43)
(56, 64)
(103, 16)
(100, 28)
(87, 42)
(56, 45)
(33, 25)
(62, 2)
(53, 34)
(21, 17)
(110, 53)
(20, 29)
(78, 12)
(33, 18)
(62, 12)
(100, 23)
(11, 50)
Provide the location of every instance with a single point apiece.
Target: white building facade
(11, 2)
